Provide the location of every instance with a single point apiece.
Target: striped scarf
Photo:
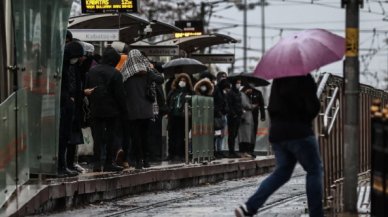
(135, 63)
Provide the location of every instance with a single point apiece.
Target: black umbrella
(183, 65)
(249, 78)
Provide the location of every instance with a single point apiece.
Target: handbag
(150, 92)
(87, 147)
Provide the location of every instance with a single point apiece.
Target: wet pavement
(216, 200)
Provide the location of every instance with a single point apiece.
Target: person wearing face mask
(73, 51)
(234, 115)
(180, 88)
(204, 87)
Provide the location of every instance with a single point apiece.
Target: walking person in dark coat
(107, 102)
(234, 116)
(73, 51)
(140, 78)
(180, 88)
(292, 108)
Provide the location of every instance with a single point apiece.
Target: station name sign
(214, 58)
(156, 50)
(95, 34)
(110, 6)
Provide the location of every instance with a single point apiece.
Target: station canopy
(193, 43)
(131, 28)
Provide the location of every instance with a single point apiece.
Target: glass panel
(13, 144)
(40, 27)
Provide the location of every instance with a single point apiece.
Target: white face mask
(238, 86)
(203, 88)
(182, 84)
(73, 60)
(225, 91)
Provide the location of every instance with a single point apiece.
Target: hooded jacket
(177, 95)
(209, 87)
(72, 50)
(108, 97)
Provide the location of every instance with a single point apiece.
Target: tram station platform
(54, 194)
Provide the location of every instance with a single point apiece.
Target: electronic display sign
(189, 27)
(110, 6)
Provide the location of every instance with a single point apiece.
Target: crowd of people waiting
(125, 94)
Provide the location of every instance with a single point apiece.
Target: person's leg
(307, 153)
(98, 139)
(172, 138)
(285, 164)
(143, 126)
(137, 142)
(232, 130)
(180, 138)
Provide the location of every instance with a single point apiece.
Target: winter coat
(245, 130)
(293, 105)
(177, 96)
(108, 97)
(209, 87)
(221, 106)
(234, 102)
(139, 76)
(68, 85)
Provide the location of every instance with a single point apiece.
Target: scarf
(134, 64)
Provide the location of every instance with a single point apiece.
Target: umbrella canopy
(183, 65)
(249, 78)
(131, 27)
(193, 43)
(301, 53)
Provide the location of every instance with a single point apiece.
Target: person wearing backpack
(180, 88)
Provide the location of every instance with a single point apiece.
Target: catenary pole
(245, 36)
(351, 128)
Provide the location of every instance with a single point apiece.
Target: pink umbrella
(301, 53)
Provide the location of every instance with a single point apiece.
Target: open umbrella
(301, 53)
(186, 65)
(249, 78)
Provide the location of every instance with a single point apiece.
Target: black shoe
(66, 172)
(233, 155)
(146, 164)
(138, 166)
(113, 167)
(242, 211)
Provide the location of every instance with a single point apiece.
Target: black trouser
(127, 140)
(233, 125)
(139, 139)
(67, 113)
(176, 137)
(154, 138)
(104, 135)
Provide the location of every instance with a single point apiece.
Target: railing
(330, 128)
(199, 121)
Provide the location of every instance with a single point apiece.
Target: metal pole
(187, 131)
(245, 36)
(351, 128)
(262, 27)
